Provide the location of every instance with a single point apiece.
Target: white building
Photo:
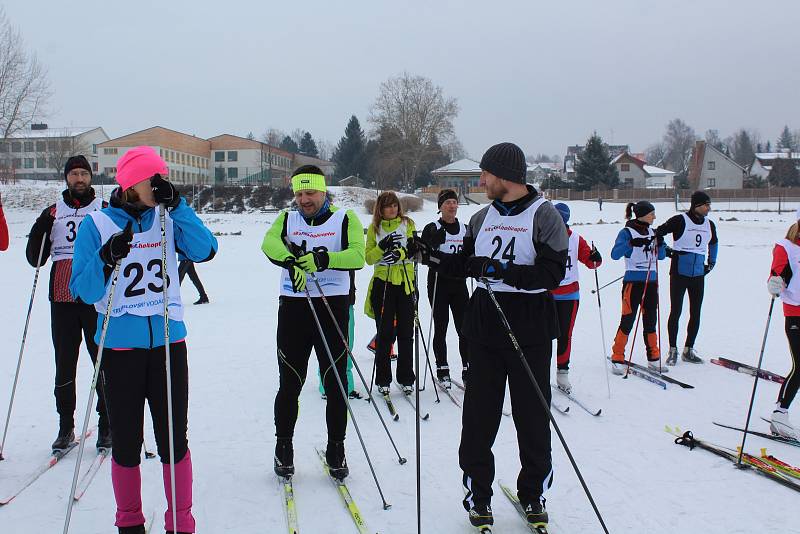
(762, 162)
(246, 161)
(40, 152)
(658, 178)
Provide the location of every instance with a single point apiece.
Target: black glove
(390, 241)
(641, 241)
(669, 252)
(439, 237)
(483, 267)
(595, 256)
(118, 246)
(395, 255)
(44, 223)
(165, 192)
(707, 268)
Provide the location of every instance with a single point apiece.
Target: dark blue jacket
(689, 263)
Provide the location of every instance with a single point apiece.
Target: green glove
(298, 277)
(313, 261)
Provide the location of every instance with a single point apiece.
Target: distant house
(659, 178)
(238, 160)
(539, 171)
(762, 162)
(710, 168)
(574, 153)
(459, 175)
(634, 172)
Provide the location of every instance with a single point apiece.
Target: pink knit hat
(139, 164)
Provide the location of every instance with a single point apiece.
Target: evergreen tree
(349, 154)
(784, 173)
(307, 146)
(289, 145)
(594, 166)
(786, 140)
(251, 136)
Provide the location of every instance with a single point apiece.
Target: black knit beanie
(506, 161)
(699, 198)
(77, 162)
(446, 194)
(642, 208)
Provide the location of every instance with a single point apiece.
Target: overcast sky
(541, 74)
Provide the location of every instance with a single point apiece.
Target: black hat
(642, 208)
(506, 161)
(446, 194)
(77, 162)
(699, 198)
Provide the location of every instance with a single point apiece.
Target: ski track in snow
(641, 481)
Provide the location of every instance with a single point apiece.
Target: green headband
(306, 181)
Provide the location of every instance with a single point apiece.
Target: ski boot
(138, 529)
(355, 395)
(618, 366)
(672, 356)
(337, 463)
(480, 516)
(445, 382)
(443, 376)
(384, 390)
(536, 515)
(781, 426)
(655, 365)
(562, 381)
(103, 434)
(202, 300)
(284, 457)
(408, 389)
(65, 438)
(690, 355)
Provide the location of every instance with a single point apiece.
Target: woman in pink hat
(128, 232)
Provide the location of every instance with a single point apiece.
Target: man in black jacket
(519, 243)
(54, 234)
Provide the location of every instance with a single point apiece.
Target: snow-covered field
(642, 482)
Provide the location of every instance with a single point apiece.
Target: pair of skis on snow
(56, 456)
(387, 399)
(536, 528)
(659, 379)
(748, 369)
(341, 487)
(571, 396)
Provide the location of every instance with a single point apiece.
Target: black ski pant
(134, 376)
(489, 368)
(187, 267)
(68, 320)
(792, 382)
(395, 306)
(679, 285)
(567, 310)
(631, 300)
(451, 296)
(297, 335)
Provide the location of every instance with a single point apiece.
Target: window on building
(41, 146)
(219, 156)
(161, 152)
(52, 146)
(94, 169)
(66, 144)
(712, 182)
(183, 159)
(16, 146)
(193, 160)
(4, 147)
(28, 163)
(109, 171)
(110, 151)
(94, 149)
(233, 173)
(219, 174)
(16, 163)
(712, 165)
(28, 146)
(625, 167)
(41, 163)
(233, 155)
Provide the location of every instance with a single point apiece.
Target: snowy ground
(641, 481)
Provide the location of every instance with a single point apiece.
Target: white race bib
(642, 258)
(453, 244)
(139, 288)
(571, 274)
(695, 237)
(65, 227)
(791, 295)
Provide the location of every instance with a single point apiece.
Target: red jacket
(583, 256)
(3, 230)
(780, 267)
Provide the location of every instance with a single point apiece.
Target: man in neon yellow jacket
(319, 240)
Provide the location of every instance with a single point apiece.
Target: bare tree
(62, 147)
(655, 154)
(420, 113)
(324, 149)
(24, 87)
(679, 140)
(273, 136)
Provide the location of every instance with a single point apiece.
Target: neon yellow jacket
(392, 273)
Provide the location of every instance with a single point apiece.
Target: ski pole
(639, 314)
(658, 314)
(95, 377)
(22, 345)
(343, 391)
(430, 326)
(614, 281)
(355, 365)
(602, 330)
(378, 333)
(417, 325)
(416, 403)
(543, 400)
(755, 382)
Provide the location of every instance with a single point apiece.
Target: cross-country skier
(637, 243)
(568, 294)
(3, 229)
(187, 267)
(784, 282)
(518, 242)
(321, 240)
(389, 297)
(447, 294)
(69, 317)
(694, 236)
(128, 233)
